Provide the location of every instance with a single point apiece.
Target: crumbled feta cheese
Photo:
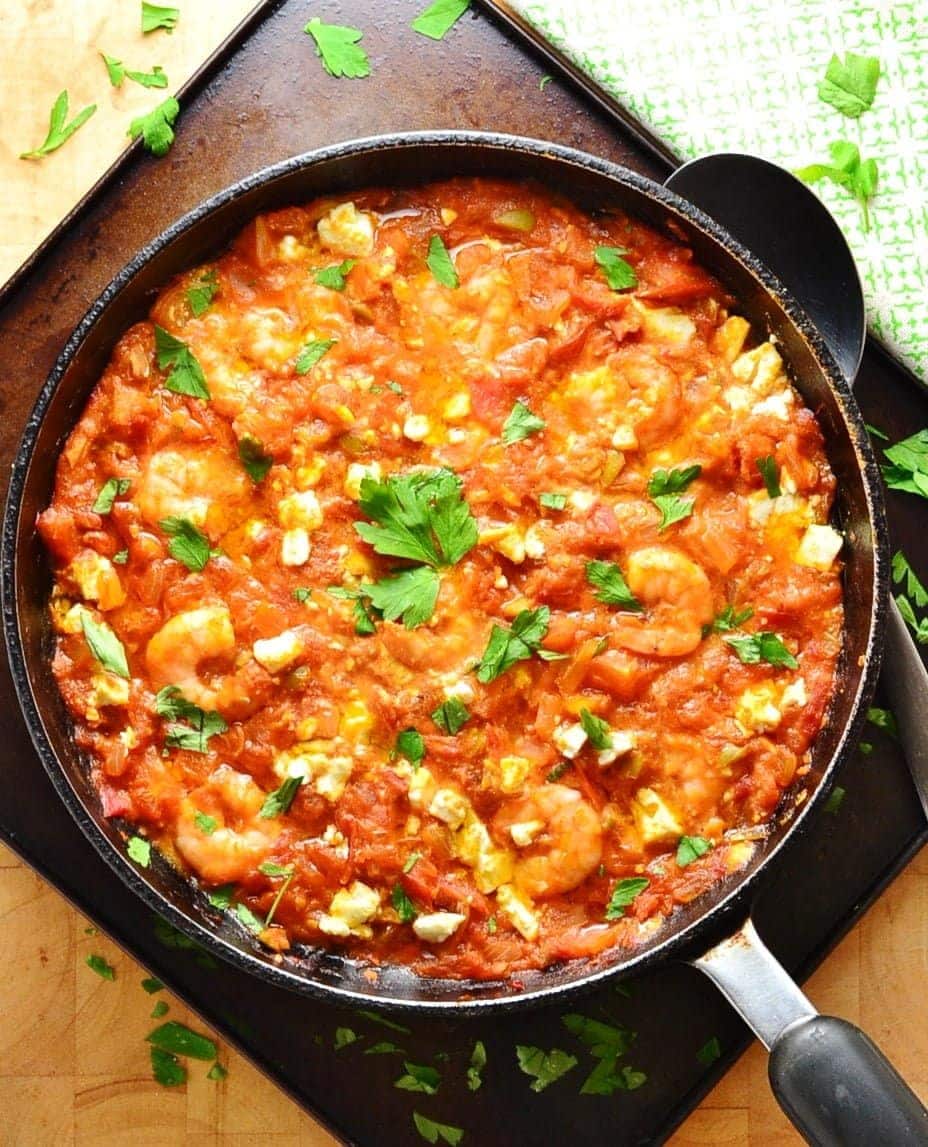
(97, 580)
(506, 540)
(513, 772)
(336, 840)
(624, 438)
(654, 817)
(581, 500)
(622, 743)
(449, 806)
(422, 787)
(318, 764)
(760, 367)
(291, 250)
(739, 398)
(668, 324)
(777, 405)
(794, 695)
(416, 427)
(457, 435)
(300, 510)
(435, 927)
(819, 547)
(128, 737)
(474, 846)
(569, 739)
(280, 652)
(350, 910)
(461, 689)
(730, 337)
(534, 544)
(357, 472)
(108, 689)
(524, 832)
(457, 407)
(517, 910)
(347, 231)
(295, 548)
(756, 710)
(66, 616)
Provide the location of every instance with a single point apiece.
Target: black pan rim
(679, 944)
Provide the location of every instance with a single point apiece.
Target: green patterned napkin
(742, 75)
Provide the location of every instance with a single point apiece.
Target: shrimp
(656, 401)
(678, 598)
(175, 653)
(242, 840)
(561, 835)
(203, 485)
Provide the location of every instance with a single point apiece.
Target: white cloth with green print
(742, 75)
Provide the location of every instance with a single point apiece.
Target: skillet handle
(834, 1083)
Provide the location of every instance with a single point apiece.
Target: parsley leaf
(605, 1078)
(478, 1061)
(847, 170)
(611, 585)
(691, 848)
(344, 1037)
(99, 965)
(191, 727)
(180, 1040)
(409, 744)
(151, 985)
(334, 277)
(186, 375)
(155, 17)
(105, 645)
(919, 626)
(311, 353)
(431, 1131)
(405, 908)
(619, 275)
(363, 618)
(602, 1039)
(835, 799)
(377, 1018)
(117, 73)
(451, 716)
(438, 19)
(160, 1009)
(337, 47)
(419, 1077)
(710, 1051)
(904, 574)
(884, 719)
(553, 501)
(410, 594)
(770, 475)
(60, 132)
(411, 861)
(249, 919)
(908, 470)
(420, 516)
(156, 127)
(728, 619)
(596, 729)
(764, 646)
(221, 897)
(663, 488)
(111, 489)
(139, 850)
(188, 544)
(546, 1067)
(202, 293)
(384, 1047)
(623, 894)
(167, 1069)
(507, 646)
(120, 558)
(252, 456)
(520, 424)
(206, 824)
(302, 594)
(277, 802)
(876, 432)
(558, 771)
(440, 264)
(850, 86)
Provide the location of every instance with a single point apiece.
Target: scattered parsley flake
(190, 727)
(395, 387)
(431, 1131)
(876, 432)
(160, 1009)
(419, 1077)
(302, 594)
(98, 964)
(405, 908)
(139, 850)
(710, 1051)
(221, 897)
(344, 1037)
(154, 17)
(201, 294)
(111, 489)
(120, 557)
(558, 771)
(625, 891)
(601, 1038)
(105, 645)
(253, 458)
(619, 275)
(919, 626)
(729, 619)
(768, 471)
(167, 1068)
(377, 1018)
(596, 729)
(153, 79)
(520, 424)
(492, 925)
(409, 744)
(338, 48)
(186, 375)
(188, 544)
(249, 919)
(543, 82)
(114, 69)
(884, 719)
(440, 264)
(507, 646)
(847, 170)
(180, 1040)
(311, 353)
(908, 469)
(611, 587)
(553, 501)
(545, 1067)
(60, 132)
(478, 1061)
(691, 848)
(606, 1078)
(384, 1047)
(151, 985)
(764, 646)
(439, 18)
(865, 748)
(217, 1072)
(835, 799)
(156, 127)
(280, 800)
(850, 85)
(451, 716)
(903, 574)
(206, 824)
(334, 277)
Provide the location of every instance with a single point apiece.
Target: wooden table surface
(74, 1067)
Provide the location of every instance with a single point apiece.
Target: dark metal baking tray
(263, 97)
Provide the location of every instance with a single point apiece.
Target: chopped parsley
(221, 897)
(543, 82)
(60, 132)
(438, 19)
(908, 468)
(915, 596)
(185, 373)
(835, 799)
(217, 1072)
(596, 729)
(432, 1131)
(338, 48)
(507, 646)
(710, 1051)
(98, 964)
(121, 557)
(884, 719)
(606, 1043)
(850, 85)
(377, 1018)
(691, 848)
(311, 353)
(302, 594)
(440, 264)
(876, 432)
(553, 501)
(728, 619)
(249, 919)
(344, 1037)
(334, 277)
(451, 716)
(139, 850)
(606, 1077)
(520, 424)
(201, 294)
(847, 170)
(405, 908)
(384, 1047)
(768, 471)
(558, 771)
(154, 17)
(253, 458)
(364, 619)
(411, 861)
(764, 646)
(105, 645)
(160, 1009)
(624, 893)
(611, 587)
(180, 1040)
(117, 73)
(280, 800)
(190, 727)
(409, 744)
(544, 1067)
(111, 489)
(478, 1061)
(619, 275)
(188, 544)
(156, 127)
(152, 985)
(492, 925)
(167, 1068)
(206, 824)
(664, 486)
(419, 1077)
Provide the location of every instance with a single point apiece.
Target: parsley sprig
(338, 46)
(59, 131)
(156, 127)
(185, 375)
(619, 275)
(664, 488)
(105, 645)
(850, 84)
(763, 646)
(908, 465)
(190, 727)
(438, 19)
(913, 596)
(625, 893)
(507, 646)
(611, 587)
(848, 170)
(520, 424)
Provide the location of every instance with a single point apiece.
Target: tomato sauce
(444, 576)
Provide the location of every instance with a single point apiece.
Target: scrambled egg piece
(317, 763)
(517, 910)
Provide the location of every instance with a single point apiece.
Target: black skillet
(833, 1081)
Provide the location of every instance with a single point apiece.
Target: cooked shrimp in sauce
(434, 563)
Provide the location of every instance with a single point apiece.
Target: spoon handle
(905, 680)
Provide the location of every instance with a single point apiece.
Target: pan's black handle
(838, 1088)
(831, 1080)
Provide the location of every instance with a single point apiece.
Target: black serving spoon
(788, 227)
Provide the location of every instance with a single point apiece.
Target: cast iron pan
(835, 1083)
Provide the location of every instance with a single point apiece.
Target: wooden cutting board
(74, 1067)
